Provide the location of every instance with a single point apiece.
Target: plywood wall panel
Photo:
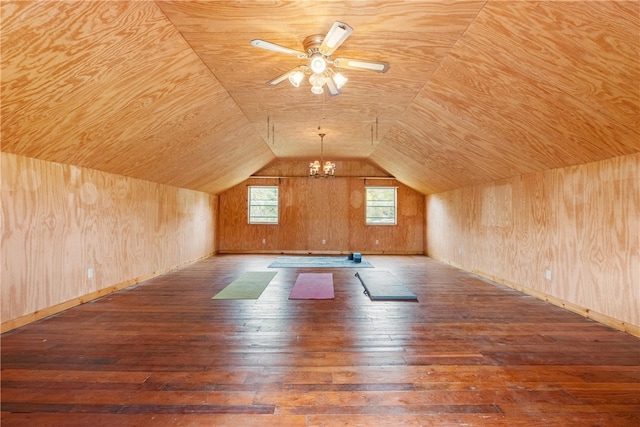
(294, 227)
(598, 219)
(327, 228)
(582, 223)
(59, 220)
(535, 226)
(313, 210)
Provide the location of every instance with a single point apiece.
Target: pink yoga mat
(313, 286)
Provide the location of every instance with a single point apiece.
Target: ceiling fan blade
(360, 64)
(282, 77)
(337, 34)
(333, 89)
(277, 48)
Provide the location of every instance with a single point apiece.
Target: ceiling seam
(436, 68)
(244, 114)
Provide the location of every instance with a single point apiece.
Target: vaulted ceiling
(173, 91)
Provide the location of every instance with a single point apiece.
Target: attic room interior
(507, 134)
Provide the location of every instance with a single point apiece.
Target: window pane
(381, 205)
(381, 194)
(263, 205)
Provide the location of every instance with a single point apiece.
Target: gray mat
(317, 262)
(382, 285)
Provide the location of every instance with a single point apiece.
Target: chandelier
(320, 168)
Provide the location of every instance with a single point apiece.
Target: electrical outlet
(264, 241)
(547, 274)
(324, 242)
(90, 273)
(377, 241)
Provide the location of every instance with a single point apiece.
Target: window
(381, 205)
(263, 205)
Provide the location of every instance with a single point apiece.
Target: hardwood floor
(469, 352)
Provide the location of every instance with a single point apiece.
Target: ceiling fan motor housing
(312, 44)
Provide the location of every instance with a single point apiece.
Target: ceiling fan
(318, 50)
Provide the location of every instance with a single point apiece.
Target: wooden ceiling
(173, 91)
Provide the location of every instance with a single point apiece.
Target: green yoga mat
(249, 285)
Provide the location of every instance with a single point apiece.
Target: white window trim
(249, 205)
(395, 205)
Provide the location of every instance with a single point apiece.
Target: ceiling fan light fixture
(296, 78)
(316, 80)
(317, 90)
(339, 79)
(318, 63)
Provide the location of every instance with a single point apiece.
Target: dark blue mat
(317, 262)
(382, 285)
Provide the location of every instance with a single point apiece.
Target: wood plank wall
(580, 223)
(313, 210)
(58, 221)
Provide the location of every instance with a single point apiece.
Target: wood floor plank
(469, 351)
(97, 419)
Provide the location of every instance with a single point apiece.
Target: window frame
(367, 205)
(250, 204)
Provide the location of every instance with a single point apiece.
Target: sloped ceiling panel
(113, 86)
(530, 86)
(173, 91)
(413, 36)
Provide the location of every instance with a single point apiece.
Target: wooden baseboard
(58, 308)
(604, 319)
